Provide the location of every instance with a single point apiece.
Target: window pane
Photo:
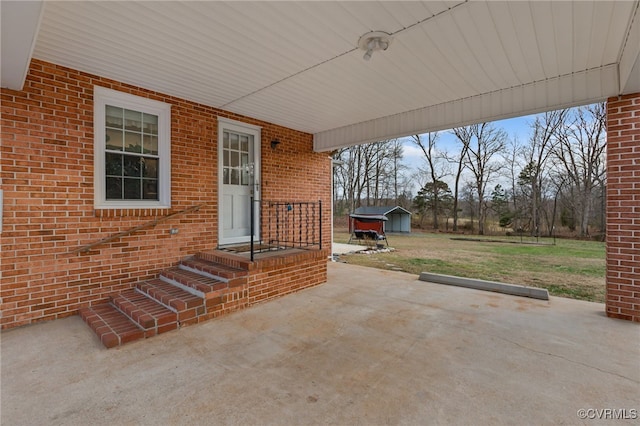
(150, 168)
(245, 176)
(225, 139)
(132, 166)
(113, 117)
(132, 120)
(150, 145)
(225, 158)
(235, 159)
(234, 142)
(150, 124)
(150, 189)
(114, 140)
(244, 143)
(225, 175)
(113, 164)
(235, 177)
(132, 190)
(244, 160)
(114, 188)
(132, 142)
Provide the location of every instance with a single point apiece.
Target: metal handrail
(293, 231)
(130, 231)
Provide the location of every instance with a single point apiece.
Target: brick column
(623, 207)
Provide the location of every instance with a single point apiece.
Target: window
(237, 158)
(132, 151)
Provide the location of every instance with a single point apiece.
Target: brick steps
(112, 327)
(147, 313)
(180, 296)
(169, 295)
(193, 282)
(212, 268)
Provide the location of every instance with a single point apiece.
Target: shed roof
(381, 210)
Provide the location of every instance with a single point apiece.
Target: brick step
(193, 291)
(112, 327)
(226, 259)
(150, 315)
(186, 305)
(194, 282)
(213, 269)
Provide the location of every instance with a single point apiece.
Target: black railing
(286, 225)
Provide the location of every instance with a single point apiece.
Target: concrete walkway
(341, 248)
(370, 347)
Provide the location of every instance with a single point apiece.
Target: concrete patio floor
(369, 347)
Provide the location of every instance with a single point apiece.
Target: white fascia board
(632, 84)
(19, 26)
(579, 88)
(630, 58)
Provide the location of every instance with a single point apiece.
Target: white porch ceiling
(297, 63)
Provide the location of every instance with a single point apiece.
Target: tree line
(485, 178)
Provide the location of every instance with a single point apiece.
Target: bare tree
(397, 168)
(370, 173)
(486, 141)
(543, 138)
(556, 184)
(436, 170)
(348, 177)
(511, 158)
(581, 153)
(464, 136)
(468, 199)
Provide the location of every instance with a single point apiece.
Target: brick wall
(270, 277)
(281, 275)
(47, 178)
(623, 207)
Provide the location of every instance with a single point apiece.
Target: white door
(239, 156)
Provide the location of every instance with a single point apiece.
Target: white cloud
(410, 150)
(412, 156)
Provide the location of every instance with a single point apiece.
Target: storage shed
(399, 219)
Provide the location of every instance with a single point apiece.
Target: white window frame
(103, 97)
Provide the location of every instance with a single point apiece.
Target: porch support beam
(589, 86)
(623, 218)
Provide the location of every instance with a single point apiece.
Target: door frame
(256, 132)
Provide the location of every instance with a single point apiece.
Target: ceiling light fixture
(373, 42)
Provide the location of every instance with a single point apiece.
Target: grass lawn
(570, 268)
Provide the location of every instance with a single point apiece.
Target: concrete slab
(340, 248)
(369, 347)
(512, 289)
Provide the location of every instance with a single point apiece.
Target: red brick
(52, 118)
(623, 165)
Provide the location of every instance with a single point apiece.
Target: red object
(364, 223)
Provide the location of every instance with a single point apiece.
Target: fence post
(252, 215)
(320, 219)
